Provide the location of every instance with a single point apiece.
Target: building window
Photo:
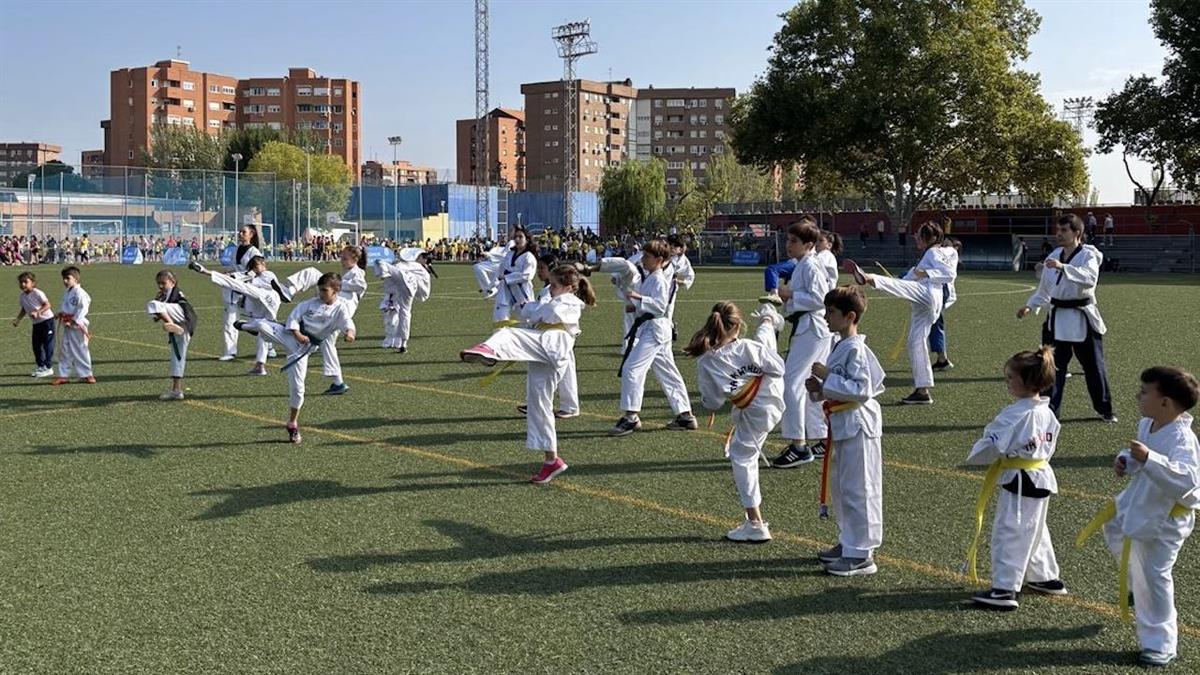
(228, 90)
(337, 91)
(719, 134)
(130, 154)
(304, 91)
(546, 95)
(658, 103)
(272, 91)
(338, 110)
(274, 109)
(547, 128)
(704, 119)
(704, 133)
(189, 86)
(703, 103)
(337, 142)
(675, 103)
(214, 89)
(338, 126)
(213, 105)
(214, 124)
(719, 119)
(304, 107)
(657, 134)
(718, 104)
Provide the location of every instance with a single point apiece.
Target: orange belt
(829, 407)
(740, 400)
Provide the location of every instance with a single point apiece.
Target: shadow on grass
(480, 543)
(239, 500)
(828, 601)
(954, 652)
(135, 450)
(556, 580)
(717, 464)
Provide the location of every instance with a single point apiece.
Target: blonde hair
(1035, 368)
(569, 276)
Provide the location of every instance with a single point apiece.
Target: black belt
(1070, 304)
(794, 320)
(629, 339)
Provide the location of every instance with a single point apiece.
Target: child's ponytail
(1035, 368)
(724, 321)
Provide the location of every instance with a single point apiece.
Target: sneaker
(481, 354)
(241, 325)
(44, 372)
(771, 299)
(852, 567)
(293, 433)
(1109, 419)
(566, 414)
(59, 380)
(171, 395)
(943, 365)
(625, 426)
(257, 371)
(750, 532)
(1052, 587)
(917, 398)
(684, 422)
(196, 267)
(994, 597)
(793, 455)
(855, 271)
(1154, 659)
(549, 471)
(401, 350)
(227, 357)
(336, 389)
(817, 449)
(271, 353)
(830, 555)
(90, 379)
(36, 372)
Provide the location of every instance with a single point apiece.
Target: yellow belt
(829, 407)
(505, 323)
(1105, 514)
(551, 326)
(985, 496)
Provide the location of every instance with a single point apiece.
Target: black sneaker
(830, 555)
(917, 398)
(1052, 587)
(625, 426)
(793, 455)
(817, 449)
(196, 267)
(684, 422)
(994, 597)
(943, 365)
(402, 350)
(1108, 419)
(523, 410)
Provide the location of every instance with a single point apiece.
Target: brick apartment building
(92, 163)
(683, 127)
(506, 139)
(402, 173)
(18, 158)
(169, 92)
(602, 138)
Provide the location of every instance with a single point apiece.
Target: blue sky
(415, 59)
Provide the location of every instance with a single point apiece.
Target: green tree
(330, 184)
(690, 207)
(1156, 121)
(51, 176)
(184, 163)
(632, 195)
(247, 143)
(728, 181)
(909, 103)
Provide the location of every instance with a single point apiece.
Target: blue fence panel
(385, 202)
(543, 210)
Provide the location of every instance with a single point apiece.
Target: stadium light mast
(574, 42)
(482, 146)
(1079, 111)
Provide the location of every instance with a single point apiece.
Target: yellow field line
(64, 409)
(920, 468)
(919, 568)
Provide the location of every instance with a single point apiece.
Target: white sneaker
(37, 372)
(171, 395)
(44, 372)
(751, 532)
(226, 357)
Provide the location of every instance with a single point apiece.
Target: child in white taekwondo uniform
(262, 295)
(683, 275)
(1146, 525)
(404, 281)
(514, 281)
(1074, 326)
(648, 345)
(487, 270)
(626, 277)
(568, 388)
(828, 248)
(178, 319)
(848, 383)
(310, 324)
(73, 326)
(937, 333)
(354, 286)
(247, 250)
(808, 343)
(547, 348)
(749, 375)
(1018, 445)
(922, 286)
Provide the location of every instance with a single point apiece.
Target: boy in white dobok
(1018, 445)
(546, 346)
(74, 327)
(262, 296)
(178, 319)
(808, 343)
(1146, 525)
(626, 277)
(683, 275)
(404, 281)
(310, 324)
(648, 346)
(749, 375)
(848, 384)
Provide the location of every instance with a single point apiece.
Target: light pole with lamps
(395, 141)
(237, 162)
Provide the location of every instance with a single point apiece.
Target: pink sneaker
(549, 471)
(481, 354)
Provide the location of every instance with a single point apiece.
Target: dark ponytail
(724, 320)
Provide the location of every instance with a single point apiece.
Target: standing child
(937, 333)
(808, 343)
(515, 279)
(247, 250)
(848, 383)
(684, 276)
(748, 374)
(568, 388)
(35, 304)
(1151, 518)
(310, 324)
(547, 348)
(404, 281)
(179, 321)
(1018, 445)
(74, 354)
(648, 345)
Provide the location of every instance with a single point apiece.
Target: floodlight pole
(395, 141)
(574, 42)
(237, 161)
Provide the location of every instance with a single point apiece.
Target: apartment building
(506, 141)
(169, 92)
(91, 163)
(18, 158)
(399, 173)
(683, 127)
(602, 136)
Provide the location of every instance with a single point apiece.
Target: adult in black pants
(1067, 289)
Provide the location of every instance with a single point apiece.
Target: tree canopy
(330, 181)
(908, 103)
(633, 195)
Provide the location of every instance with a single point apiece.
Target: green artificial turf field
(146, 536)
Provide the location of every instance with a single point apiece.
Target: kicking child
(36, 305)
(404, 281)
(73, 322)
(178, 319)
